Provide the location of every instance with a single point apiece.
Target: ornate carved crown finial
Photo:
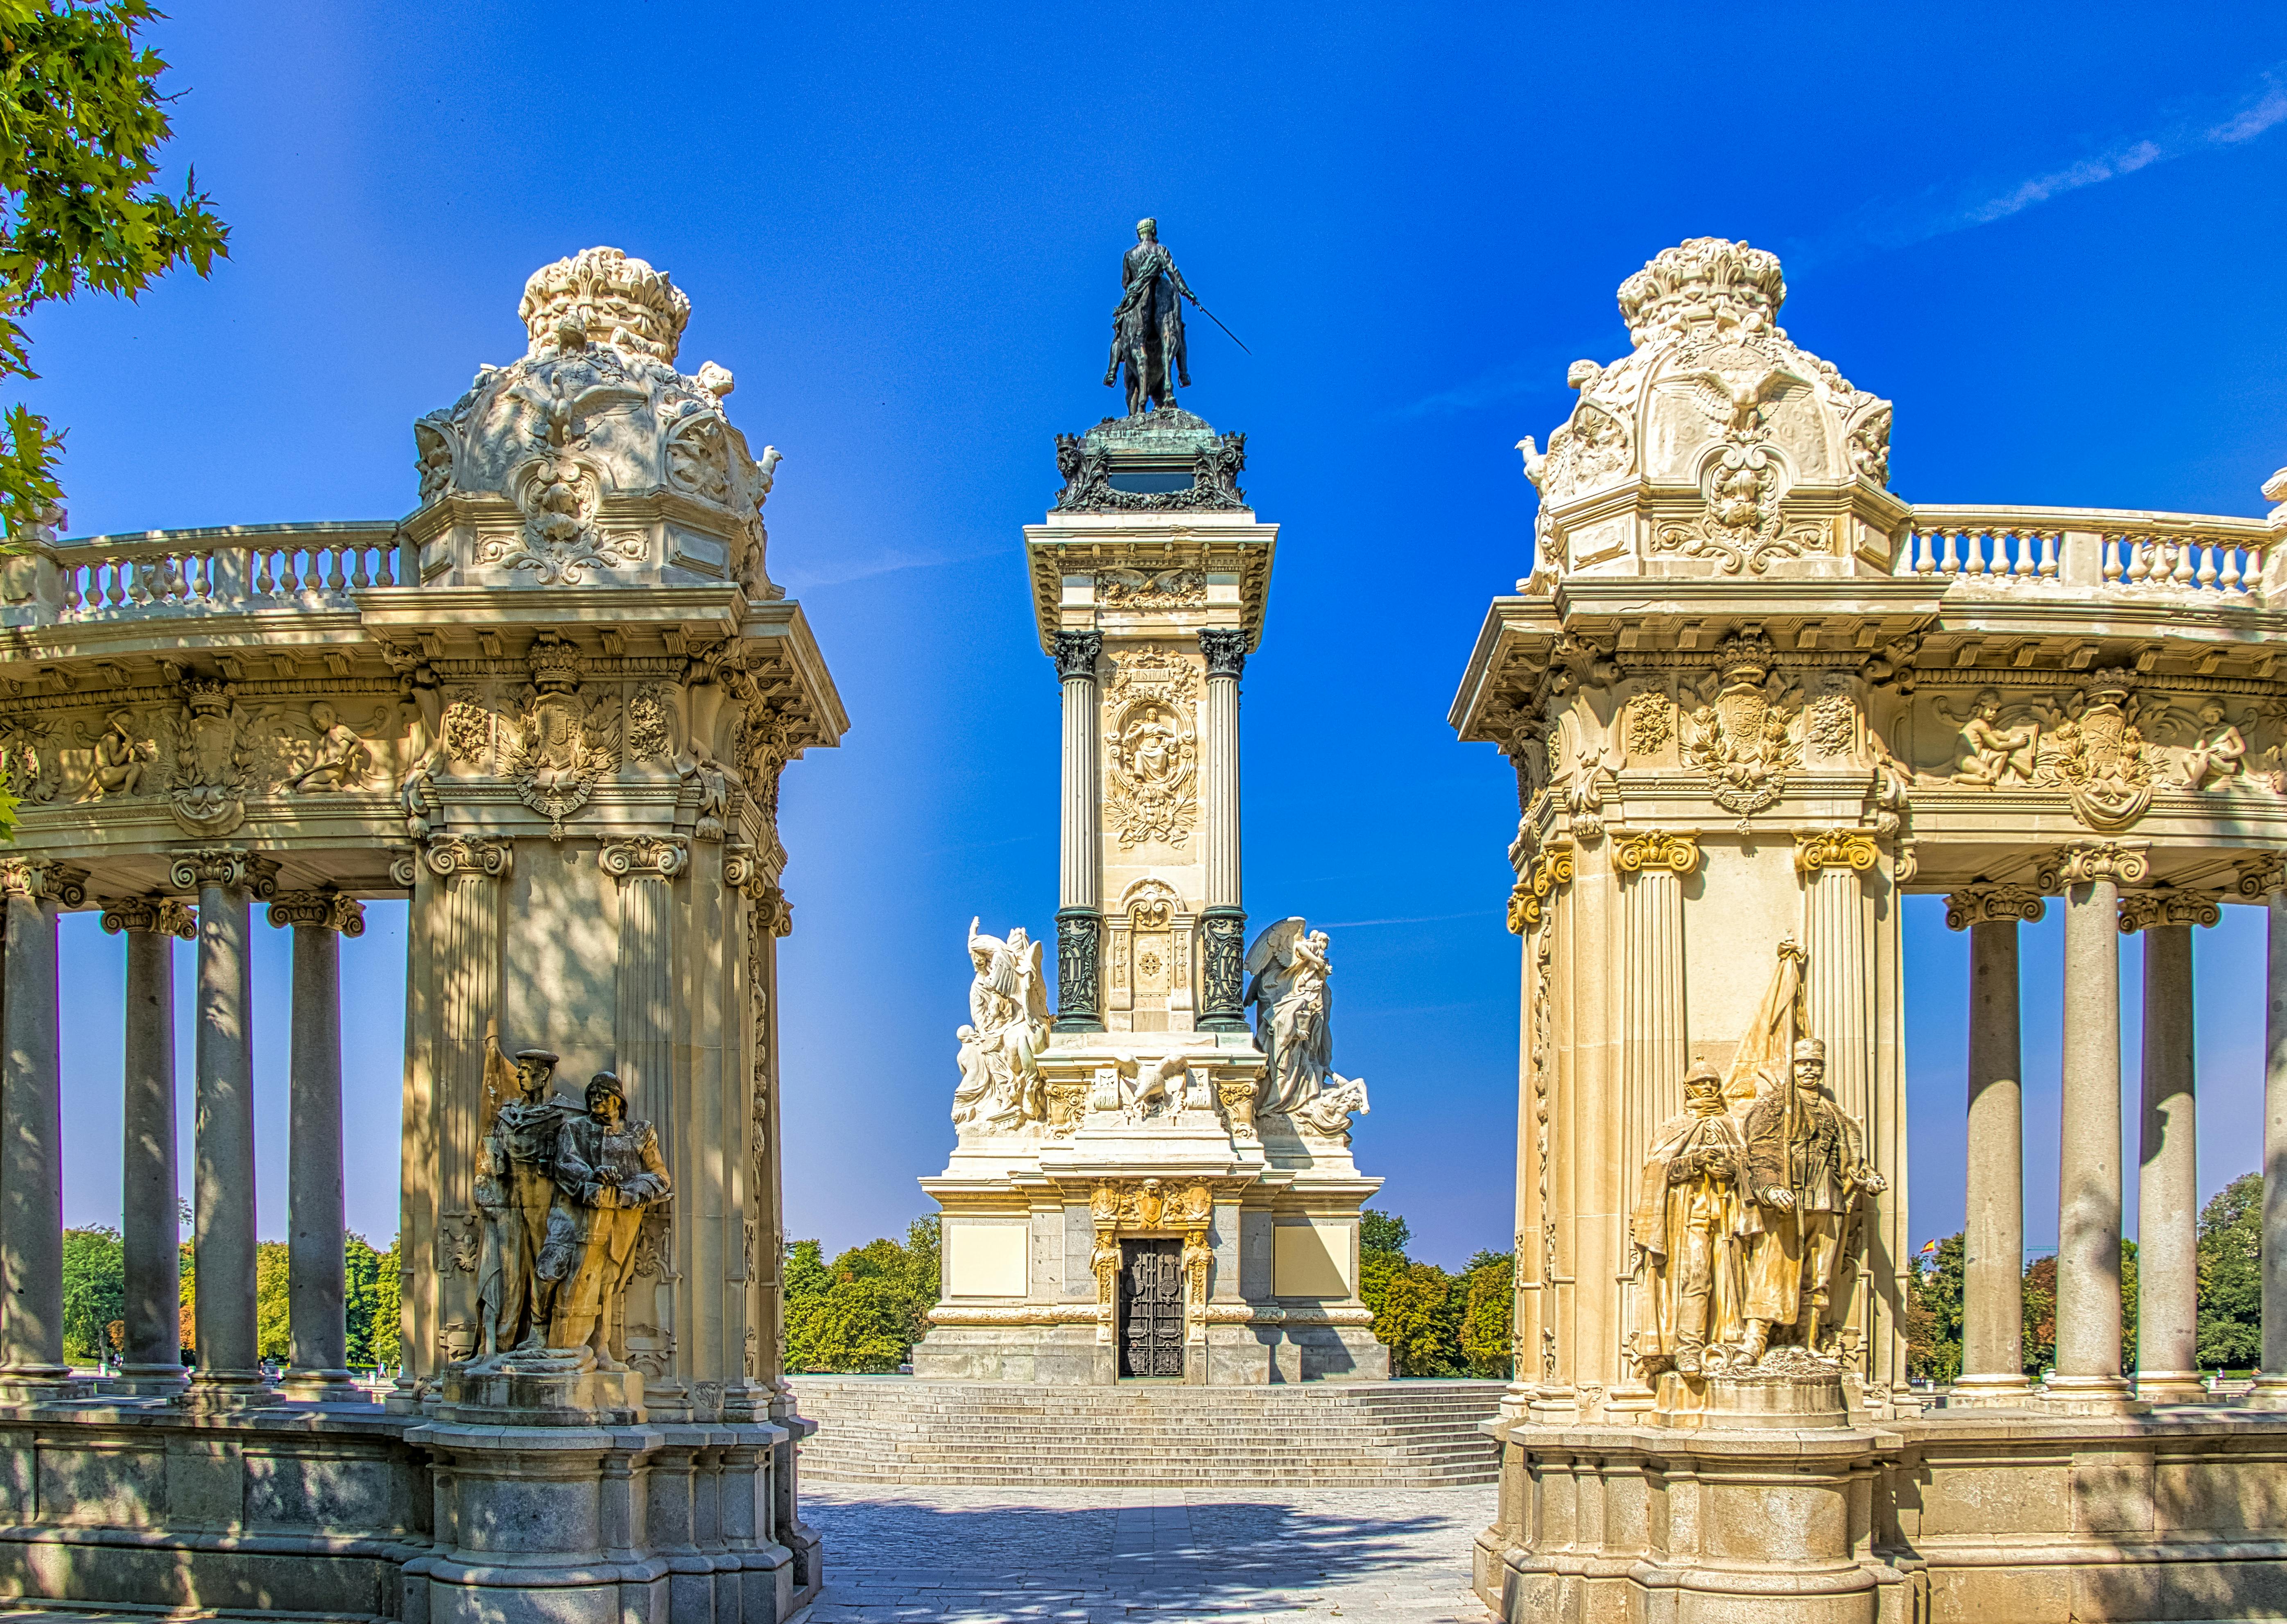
(600, 296)
(2116, 681)
(208, 696)
(1708, 282)
(554, 660)
(1746, 657)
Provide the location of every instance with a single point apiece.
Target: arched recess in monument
(549, 709)
(1753, 698)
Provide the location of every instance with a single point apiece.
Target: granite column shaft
(2167, 1190)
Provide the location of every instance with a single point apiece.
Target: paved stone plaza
(974, 1554)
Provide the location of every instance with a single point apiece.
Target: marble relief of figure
(119, 759)
(340, 760)
(515, 1190)
(608, 1172)
(2221, 752)
(1995, 755)
(1685, 1231)
(1807, 1171)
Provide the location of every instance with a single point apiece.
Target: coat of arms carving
(1744, 738)
(212, 757)
(564, 744)
(2098, 755)
(1153, 740)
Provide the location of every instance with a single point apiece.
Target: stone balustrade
(2075, 551)
(223, 569)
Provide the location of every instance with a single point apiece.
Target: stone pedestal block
(566, 1397)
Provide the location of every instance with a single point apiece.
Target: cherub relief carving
(1994, 755)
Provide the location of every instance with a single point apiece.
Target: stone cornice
(232, 867)
(166, 915)
(324, 906)
(1979, 905)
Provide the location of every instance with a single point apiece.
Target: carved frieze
(1139, 590)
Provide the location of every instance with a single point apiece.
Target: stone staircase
(896, 1429)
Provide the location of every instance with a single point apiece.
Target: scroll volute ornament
(2082, 865)
(1993, 905)
(1527, 902)
(59, 884)
(1853, 849)
(164, 915)
(1656, 849)
(227, 867)
(2141, 910)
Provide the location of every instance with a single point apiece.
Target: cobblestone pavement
(1101, 1556)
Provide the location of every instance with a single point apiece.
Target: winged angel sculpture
(1007, 1027)
(1287, 972)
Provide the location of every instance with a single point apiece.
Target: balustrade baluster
(2229, 579)
(2026, 541)
(386, 570)
(1924, 564)
(2048, 555)
(2111, 560)
(335, 582)
(358, 578)
(111, 577)
(264, 583)
(287, 583)
(2140, 558)
(71, 588)
(2181, 552)
(1950, 564)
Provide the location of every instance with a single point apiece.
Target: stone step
(899, 1430)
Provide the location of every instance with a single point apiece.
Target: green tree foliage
(81, 121)
(384, 1338)
(1934, 1313)
(865, 1311)
(2231, 1276)
(272, 1336)
(95, 1292)
(1435, 1324)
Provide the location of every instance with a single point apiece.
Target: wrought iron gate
(1150, 1308)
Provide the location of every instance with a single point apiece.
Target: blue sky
(2051, 235)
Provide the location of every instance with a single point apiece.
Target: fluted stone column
(151, 1226)
(2271, 1385)
(2088, 1379)
(1993, 1238)
(31, 1134)
(1079, 880)
(1224, 921)
(2167, 1189)
(1840, 999)
(647, 867)
(229, 1371)
(1652, 865)
(316, 1289)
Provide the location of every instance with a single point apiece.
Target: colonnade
(2096, 883)
(227, 881)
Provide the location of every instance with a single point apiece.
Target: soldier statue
(515, 1188)
(1807, 1169)
(1147, 329)
(1685, 1231)
(608, 1171)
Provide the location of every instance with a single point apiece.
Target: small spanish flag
(1929, 1247)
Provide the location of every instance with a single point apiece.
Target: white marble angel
(1009, 1010)
(1288, 972)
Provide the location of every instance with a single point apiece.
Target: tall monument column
(31, 1132)
(1223, 919)
(316, 1287)
(1993, 1238)
(1079, 891)
(2088, 1378)
(151, 1227)
(230, 1365)
(2167, 1190)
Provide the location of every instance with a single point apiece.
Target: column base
(2270, 1393)
(150, 1382)
(2090, 1396)
(41, 1384)
(322, 1387)
(222, 1391)
(2172, 1387)
(1993, 1391)
(1516, 1403)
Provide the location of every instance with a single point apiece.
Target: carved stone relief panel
(1151, 716)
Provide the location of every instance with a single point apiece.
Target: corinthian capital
(163, 916)
(1225, 648)
(324, 906)
(1645, 849)
(1853, 849)
(451, 854)
(1077, 652)
(2142, 909)
(58, 883)
(2090, 861)
(643, 856)
(1983, 905)
(232, 867)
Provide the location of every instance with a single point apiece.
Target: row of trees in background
(864, 1310)
(2231, 1296)
(95, 1299)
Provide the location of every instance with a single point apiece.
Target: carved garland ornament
(1152, 740)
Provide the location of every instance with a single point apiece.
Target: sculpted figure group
(561, 1194)
(1740, 1222)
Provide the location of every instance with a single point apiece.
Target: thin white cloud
(841, 572)
(1416, 919)
(1896, 223)
(1543, 371)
